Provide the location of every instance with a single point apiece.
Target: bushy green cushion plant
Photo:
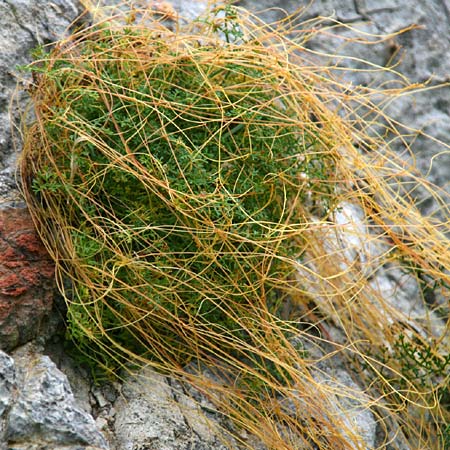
(179, 171)
(186, 184)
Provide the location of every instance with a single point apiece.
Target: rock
(26, 280)
(7, 387)
(26, 273)
(363, 256)
(401, 291)
(350, 404)
(154, 413)
(350, 237)
(37, 407)
(38, 446)
(190, 10)
(421, 54)
(24, 24)
(78, 376)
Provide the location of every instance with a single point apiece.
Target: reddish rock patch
(26, 279)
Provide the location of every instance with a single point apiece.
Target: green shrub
(179, 172)
(186, 187)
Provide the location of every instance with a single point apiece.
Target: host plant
(186, 181)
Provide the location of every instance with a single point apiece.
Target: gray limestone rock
(24, 24)
(421, 54)
(157, 413)
(38, 409)
(7, 387)
(154, 414)
(348, 401)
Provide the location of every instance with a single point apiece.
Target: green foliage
(180, 168)
(430, 372)
(46, 180)
(421, 372)
(421, 364)
(229, 26)
(445, 437)
(186, 185)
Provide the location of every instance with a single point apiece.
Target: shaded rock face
(24, 24)
(421, 54)
(26, 279)
(38, 409)
(26, 272)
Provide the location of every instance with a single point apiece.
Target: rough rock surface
(153, 414)
(421, 54)
(26, 279)
(26, 273)
(24, 24)
(7, 386)
(349, 405)
(38, 409)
